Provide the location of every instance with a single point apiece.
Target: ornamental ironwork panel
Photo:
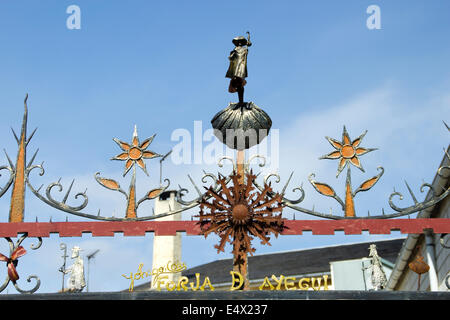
(238, 207)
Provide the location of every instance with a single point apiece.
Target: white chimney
(166, 249)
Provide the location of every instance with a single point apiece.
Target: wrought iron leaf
(152, 194)
(109, 183)
(369, 183)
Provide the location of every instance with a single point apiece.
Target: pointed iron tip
(9, 160)
(135, 134)
(32, 158)
(31, 136)
(15, 136)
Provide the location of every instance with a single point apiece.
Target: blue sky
(314, 67)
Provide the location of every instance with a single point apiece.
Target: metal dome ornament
(240, 125)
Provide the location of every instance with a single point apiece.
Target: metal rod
(63, 246)
(89, 257)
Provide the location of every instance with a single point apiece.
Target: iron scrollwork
(16, 251)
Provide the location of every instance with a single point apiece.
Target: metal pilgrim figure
(76, 281)
(237, 71)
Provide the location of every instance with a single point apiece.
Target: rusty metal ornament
(16, 251)
(237, 215)
(133, 153)
(419, 266)
(348, 152)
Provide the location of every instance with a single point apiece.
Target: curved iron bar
(10, 181)
(400, 211)
(220, 164)
(215, 186)
(60, 205)
(418, 206)
(13, 247)
(147, 195)
(271, 194)
(255, 156)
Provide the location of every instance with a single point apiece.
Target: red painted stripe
(294, 227)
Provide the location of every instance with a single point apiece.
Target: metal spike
(98, 213)
(382, 211)
(50, 219)
(36, 219)
(31, 136)
(448, 128)
(67, 219)
(59, 180)
(39, 188)
(368, 213)
(284, 188)
(195, 186)
(411, 193)
(15, 136)
(32, 158)
(9, 160)
(294, 215)
(68, 191)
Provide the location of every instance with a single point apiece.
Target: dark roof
(292, 263)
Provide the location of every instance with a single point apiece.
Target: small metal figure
(379, 279)
(76, 282)
(237, 70)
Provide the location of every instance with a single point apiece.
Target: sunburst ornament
(347, 151)
(135, 153)
(236, 215)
